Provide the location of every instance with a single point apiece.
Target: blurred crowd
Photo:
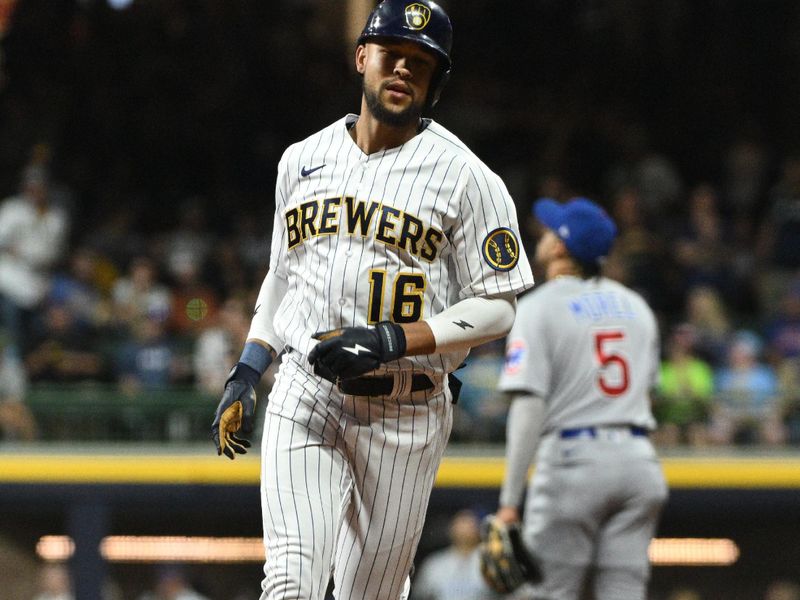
(724, 281)
(134, 310)
(140, 147)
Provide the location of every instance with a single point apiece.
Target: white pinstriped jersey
(397, 235)
(590, 348)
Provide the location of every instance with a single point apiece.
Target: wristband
(393, 340)
(254, 361)
(256, 356)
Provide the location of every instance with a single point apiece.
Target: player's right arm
(468, 323)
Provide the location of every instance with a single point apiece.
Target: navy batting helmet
(423, 22)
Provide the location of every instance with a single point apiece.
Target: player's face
(397, 76)
(549, 248)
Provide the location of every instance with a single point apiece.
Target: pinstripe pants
(345, 484)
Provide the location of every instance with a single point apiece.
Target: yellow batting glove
(235, 412)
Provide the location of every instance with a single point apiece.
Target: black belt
(592, 431)
(381, 386)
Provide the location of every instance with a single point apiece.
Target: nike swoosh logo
(306, 172)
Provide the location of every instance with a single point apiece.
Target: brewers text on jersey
(392, 226)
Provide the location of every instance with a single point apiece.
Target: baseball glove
(506, 563)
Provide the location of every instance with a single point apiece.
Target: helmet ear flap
(437, 85)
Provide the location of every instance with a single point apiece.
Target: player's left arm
(352, 351)
(523, 429)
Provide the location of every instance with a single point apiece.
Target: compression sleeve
(262, 329)
(523, 427)
(472, 322)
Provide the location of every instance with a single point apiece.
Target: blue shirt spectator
(747, 401)
(146, 361)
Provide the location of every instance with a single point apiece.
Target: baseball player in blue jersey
(581, 359)
(395, 250)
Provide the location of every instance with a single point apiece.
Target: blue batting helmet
(423, 22)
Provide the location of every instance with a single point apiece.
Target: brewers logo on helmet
(417, 16)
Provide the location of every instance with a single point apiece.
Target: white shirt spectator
(450, 574)
(31, 241)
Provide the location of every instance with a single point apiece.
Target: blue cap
(586, 229)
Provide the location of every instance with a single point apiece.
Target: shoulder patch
(501, 249)
(515, 356)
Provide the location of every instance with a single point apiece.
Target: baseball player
(395, 250)
(581, 359)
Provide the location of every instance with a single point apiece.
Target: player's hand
(235, 412)
(352, 351)
(508, 514)
(505, 561)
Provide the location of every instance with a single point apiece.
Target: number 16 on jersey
(407, 301)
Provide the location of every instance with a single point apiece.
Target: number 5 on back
(612, 362)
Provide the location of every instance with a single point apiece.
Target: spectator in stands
(639, 248)
(707, 313)
(788, 370)
(78, 291)
(227, 271)
(16, 420)
(782, 589)
(188, 245)
(746, 177)
(684, 593)
(747, 407)
(217, 346)
(683, 398)
(114, 236)
(33, 234)
(62, 351)
(454, 572)
(172, 583)
(782, 331)
(139, 295)
(253, 238)
(193, 300)
(482, 410)
(655, 179)
(54, 583)
(701, 250)
(778, 245)
(746, 170)
(148, 360)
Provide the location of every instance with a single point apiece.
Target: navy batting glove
(352, 351)
(235, 412)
